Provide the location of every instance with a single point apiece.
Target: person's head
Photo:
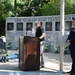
(73, 21)
(37, 24)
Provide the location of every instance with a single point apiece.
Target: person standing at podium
(41, 35)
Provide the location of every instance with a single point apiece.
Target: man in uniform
(41, 35)
(71, 42)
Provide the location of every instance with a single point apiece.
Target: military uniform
(71, 38)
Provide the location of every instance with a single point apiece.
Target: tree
(69, 7)
(32, 8)
(28, 7)
(5, 11)
(52, 8)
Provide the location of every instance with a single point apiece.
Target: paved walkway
(52, 66)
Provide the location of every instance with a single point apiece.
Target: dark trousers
(72, 53)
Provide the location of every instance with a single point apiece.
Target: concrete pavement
(52, 65)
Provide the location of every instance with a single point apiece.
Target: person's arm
(69, 38)
(42, 36)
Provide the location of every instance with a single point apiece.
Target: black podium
(29, 53)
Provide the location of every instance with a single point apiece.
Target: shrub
(17, 47)
(46, 48)
(9, 45)
(57, 49)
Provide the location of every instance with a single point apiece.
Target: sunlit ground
(52, 63)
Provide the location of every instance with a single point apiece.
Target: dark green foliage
(46, 48)
(5, 10)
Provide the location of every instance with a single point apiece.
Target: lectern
(29, 53)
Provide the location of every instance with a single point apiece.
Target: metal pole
(61, 34)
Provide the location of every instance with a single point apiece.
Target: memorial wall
(17, 26)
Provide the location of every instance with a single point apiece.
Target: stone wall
(51, 25)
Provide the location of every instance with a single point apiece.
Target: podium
(29, 53)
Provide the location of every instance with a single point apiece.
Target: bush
(65, 49)
(17, 47)
(9, 45)
(46, 48)
(57, 49)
